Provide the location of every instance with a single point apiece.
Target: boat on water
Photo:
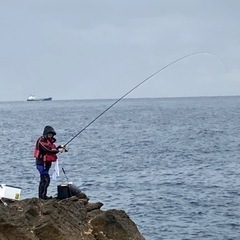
(34, 98)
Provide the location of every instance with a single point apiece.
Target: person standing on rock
(45, 153)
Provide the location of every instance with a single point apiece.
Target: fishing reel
(62, 148)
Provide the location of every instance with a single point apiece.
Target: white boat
(34, 98)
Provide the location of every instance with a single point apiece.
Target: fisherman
(45, 153)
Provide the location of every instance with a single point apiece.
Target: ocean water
(172, 164)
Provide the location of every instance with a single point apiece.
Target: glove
(61, 150)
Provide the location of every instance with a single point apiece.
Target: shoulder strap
(36, 149)
(37, 143)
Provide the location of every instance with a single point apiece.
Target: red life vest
(48, 157)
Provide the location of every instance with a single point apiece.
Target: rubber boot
(43, 185)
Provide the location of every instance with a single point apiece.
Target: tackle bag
(67, 191)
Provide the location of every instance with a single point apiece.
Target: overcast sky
(75, 49)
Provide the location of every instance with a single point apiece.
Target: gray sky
(75, 49)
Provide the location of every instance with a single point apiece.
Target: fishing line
(145, 80)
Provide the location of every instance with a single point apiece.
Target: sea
(172, 164)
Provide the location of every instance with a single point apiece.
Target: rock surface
(74, 218)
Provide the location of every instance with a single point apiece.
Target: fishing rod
(65, 174)
(145, 80)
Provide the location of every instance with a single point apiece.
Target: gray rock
(74, 218)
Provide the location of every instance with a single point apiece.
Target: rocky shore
(73, 218)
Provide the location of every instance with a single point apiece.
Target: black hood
(48, 129)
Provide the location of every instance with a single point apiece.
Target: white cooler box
(10, 192)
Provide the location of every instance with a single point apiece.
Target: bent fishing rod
(145, 80)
